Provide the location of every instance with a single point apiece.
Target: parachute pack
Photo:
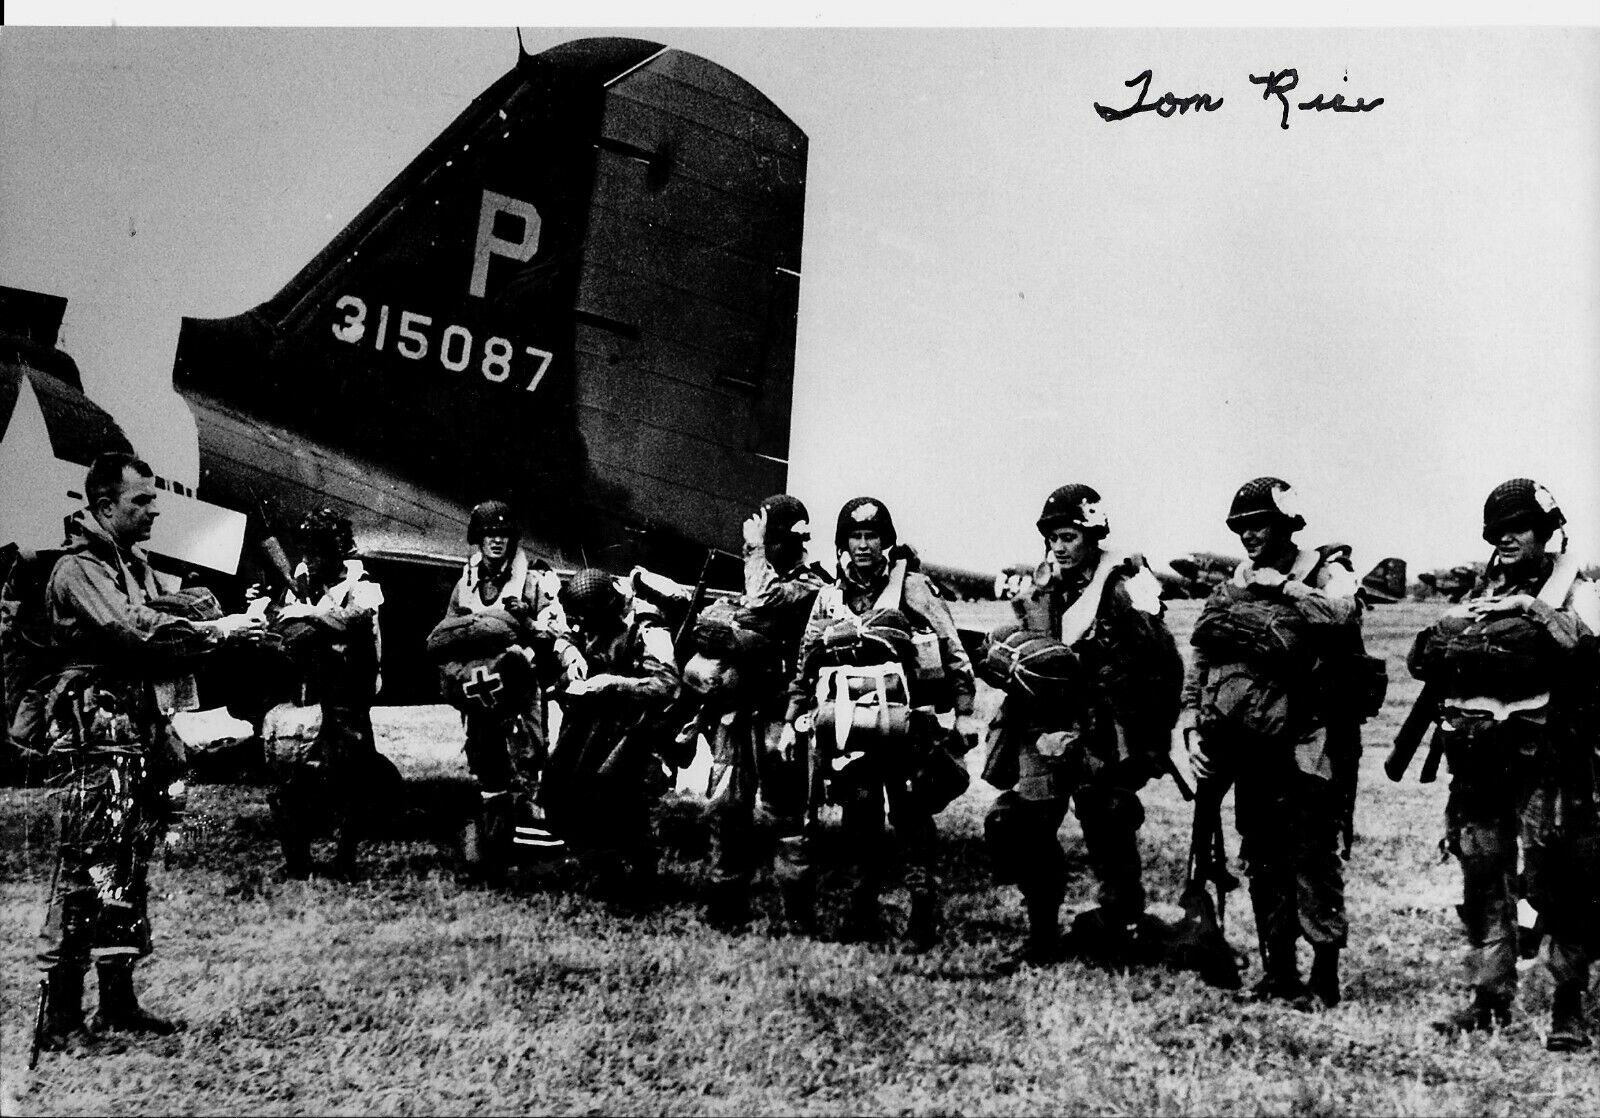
(1240, 625)
(1502, 655)
(477, 671)
(1039, 667)
(724, 629)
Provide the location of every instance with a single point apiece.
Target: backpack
(496, 685)
(881, 636)
(26, 657)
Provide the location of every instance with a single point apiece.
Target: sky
(1001, 292)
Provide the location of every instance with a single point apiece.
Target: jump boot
(1324, 984)
(922, 929)
(1567, 1033)
(728, 905)
(1281, 982)
(799, 892)
(864, 921)
(1043, 945)
(293, 836)
(495, 836)
(63, 1008)
(119, 1010)
(1487, 1013)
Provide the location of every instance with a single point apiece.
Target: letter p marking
(488, 244)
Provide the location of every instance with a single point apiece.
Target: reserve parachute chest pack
(1504, 655)
(1257, 645)
(1042, 669)
(864, 686)
(1238, 624)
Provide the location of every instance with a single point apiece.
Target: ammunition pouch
(938, 776)
(1489, 742)
(290, 737)
(1351, 688)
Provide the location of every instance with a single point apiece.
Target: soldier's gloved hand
(296, 609)
(1513, 603)
(1194, 744)
(1266, 576)
(969, 729)
(755, 529)
(237, 626)
(789, 738)
(573, 665)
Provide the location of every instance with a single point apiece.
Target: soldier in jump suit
(874, 574)
(1107, 608)
(1289, 806)
(746, 725)
(109, 744)
(605, 770)
(1527, 779)
(507, 752)
(333, 596)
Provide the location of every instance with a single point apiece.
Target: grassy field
(414, 993)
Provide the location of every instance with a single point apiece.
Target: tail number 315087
(410, 335)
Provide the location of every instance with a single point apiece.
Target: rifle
(38, 1020)
(41, 1006)
(695, 600)
(1430, 763)
(1199, 940)
(1423, 713)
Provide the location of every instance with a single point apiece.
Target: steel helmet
(326, 531)
(1075, 504)
(1264, 499)
(787, 518)
(1521, 503)
(492, 518)
(591, 592)
(864, 512)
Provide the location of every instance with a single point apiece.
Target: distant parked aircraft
(1450, 582)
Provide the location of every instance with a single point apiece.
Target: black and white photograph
(837, 565)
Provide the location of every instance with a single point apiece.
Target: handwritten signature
(1275, 83)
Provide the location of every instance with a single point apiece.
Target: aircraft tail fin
(1386, 582)
(581, 295)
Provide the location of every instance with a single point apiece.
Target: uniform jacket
(1126, 647)
(97, 599)
(1574, 622)
(481, 587)
(780, 602)
(614, 727)
(350, 607)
